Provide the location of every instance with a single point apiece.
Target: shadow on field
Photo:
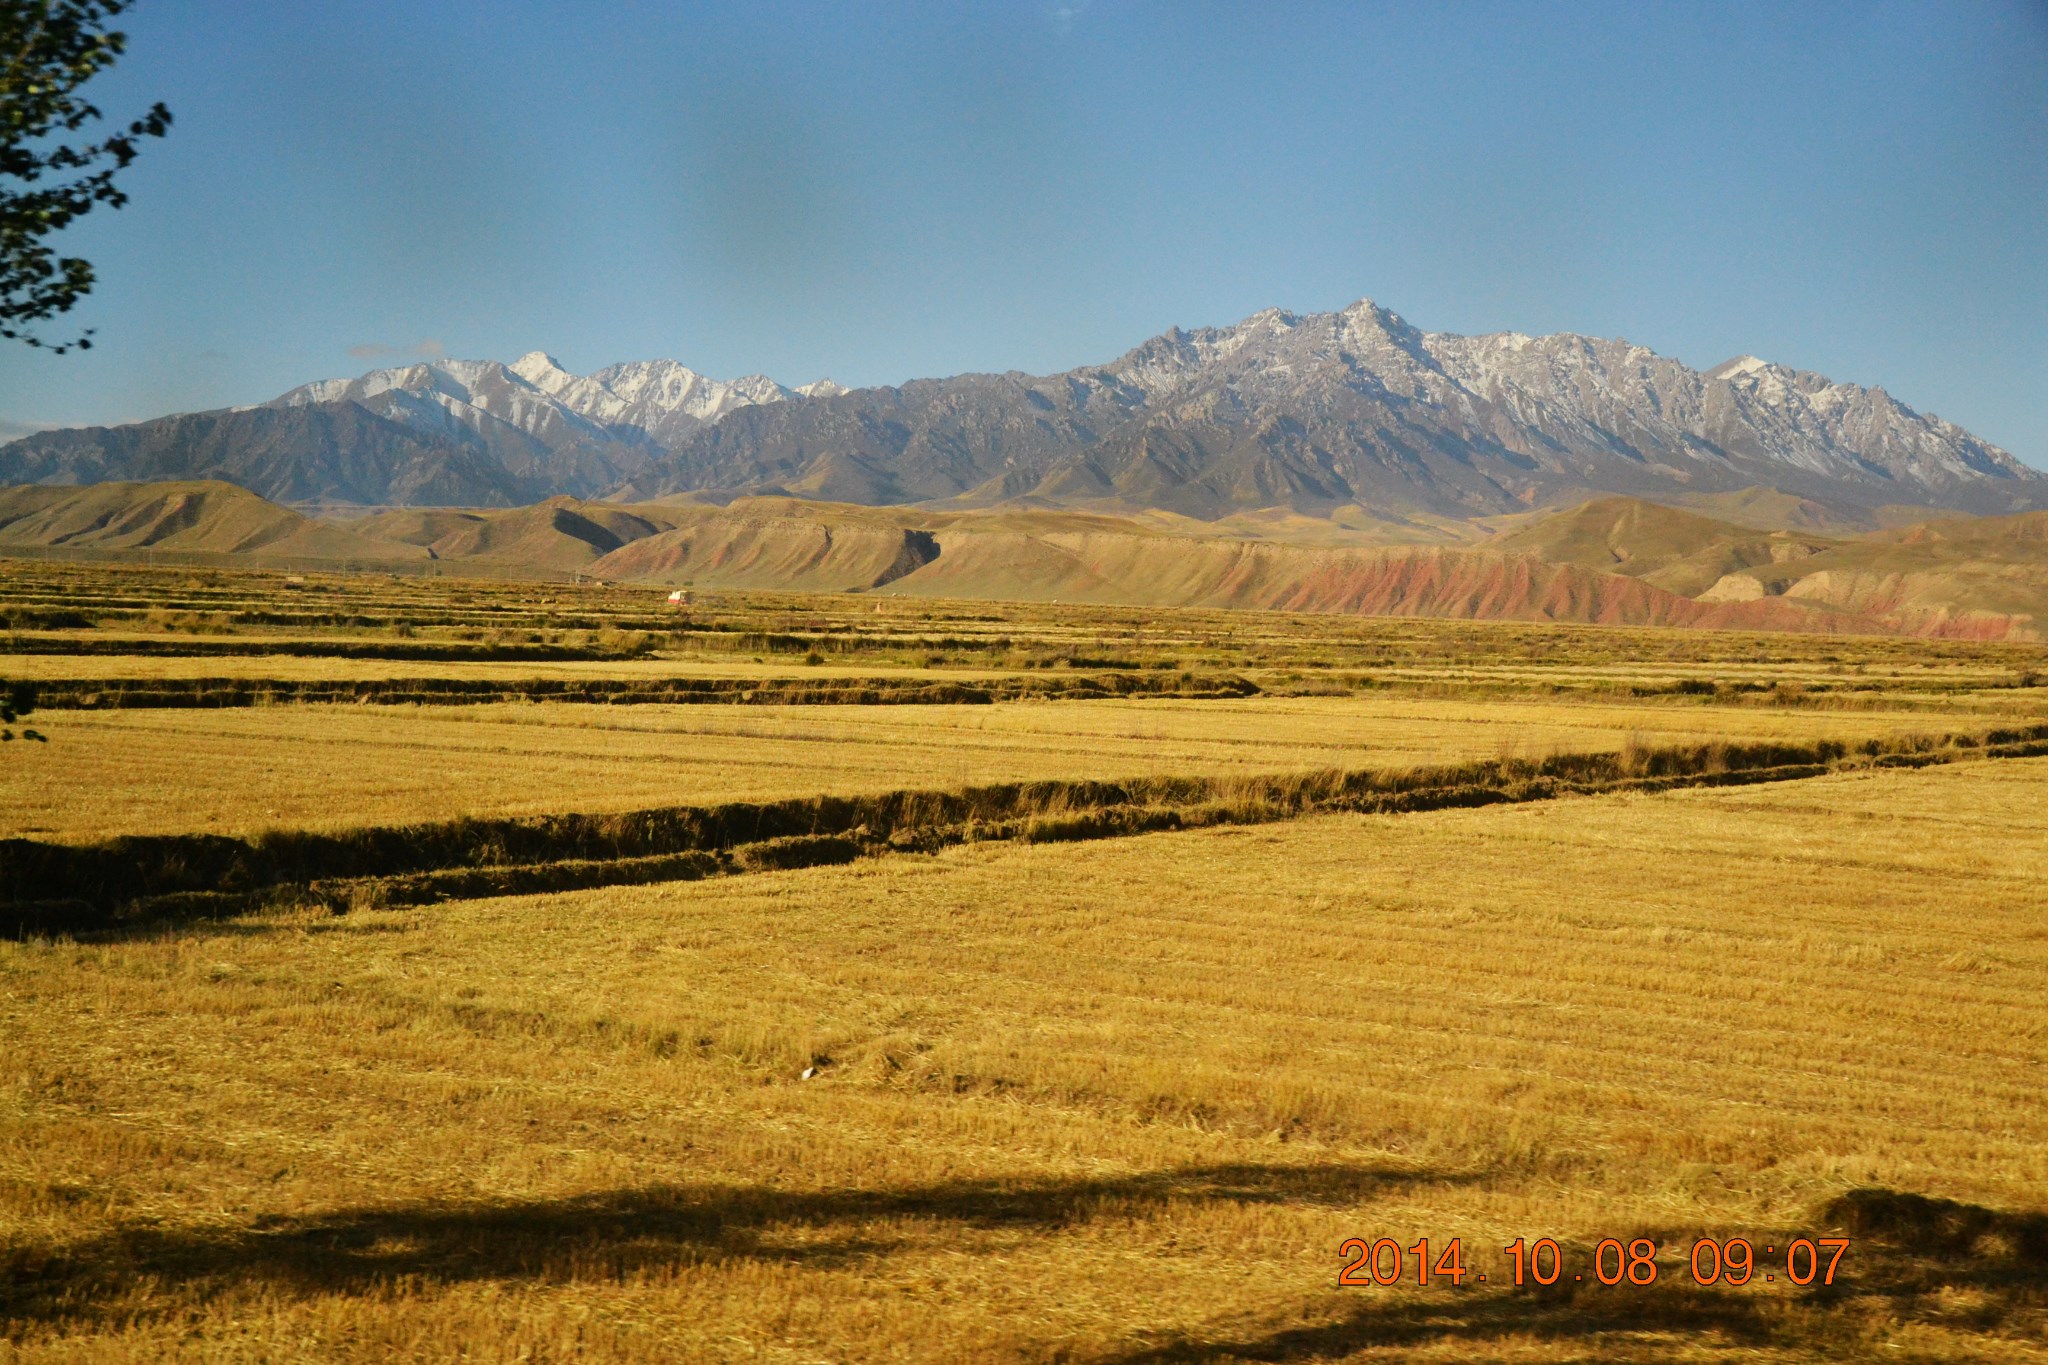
(1966, 1267)
(1970, 1269)
(609, 1236)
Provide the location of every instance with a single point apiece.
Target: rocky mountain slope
(329, 452)
(448, 433)
(1329, 411)
(553, 431)
(1333, 415)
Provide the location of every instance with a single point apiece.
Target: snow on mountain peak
(624, 407)
(1307, 409)
(1739, 366)
(534, 364)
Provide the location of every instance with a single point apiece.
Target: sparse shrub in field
(190, 622)
(814, 658)
(367, 895)
(16, 701)
(631, 643)
(796, 851)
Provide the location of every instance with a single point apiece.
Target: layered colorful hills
(1616, 560)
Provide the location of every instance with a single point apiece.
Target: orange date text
(1387, 1261)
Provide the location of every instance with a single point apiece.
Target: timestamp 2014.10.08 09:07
(1384, 1262)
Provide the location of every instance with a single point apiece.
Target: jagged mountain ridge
(444, 433)
(1316, 413)
(651, 403)
(325, 452)
(1320, 411)
(554, 431)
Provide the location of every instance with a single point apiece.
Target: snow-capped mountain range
(544, 424)
(1313, 412)
(659, 398)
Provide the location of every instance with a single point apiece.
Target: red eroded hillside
(1401, 581)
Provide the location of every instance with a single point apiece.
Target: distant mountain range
(446, 433)
(1352, 416)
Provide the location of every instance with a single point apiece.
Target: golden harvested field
(237, 770)
(1078, 1093)
(43, 667)
(107, 601)
(1883, 676)
(1117, 1101)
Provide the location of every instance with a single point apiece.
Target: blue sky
(880, 191)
